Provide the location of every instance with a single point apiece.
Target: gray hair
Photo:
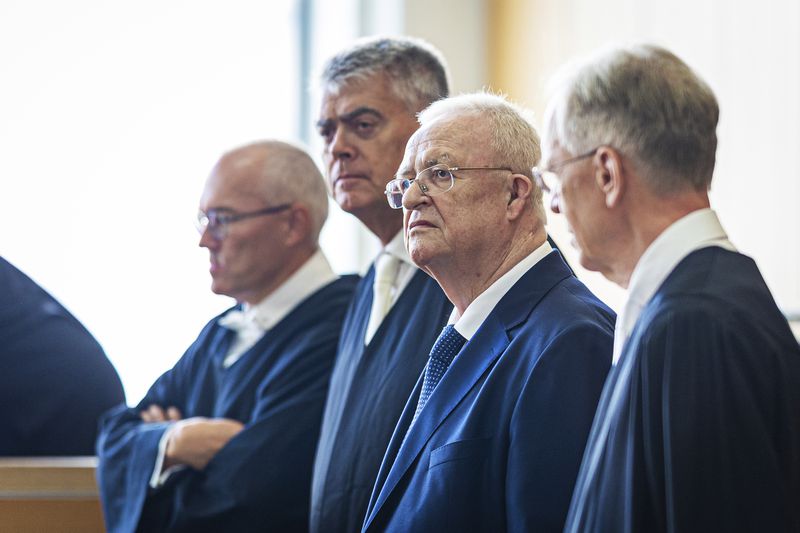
(416, 70)
(288, 175)
(513, 136)
(648, 104)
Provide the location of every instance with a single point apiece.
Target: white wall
(111, 116)
(749, 52)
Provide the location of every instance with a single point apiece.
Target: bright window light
(112, 115)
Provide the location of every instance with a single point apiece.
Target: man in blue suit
(698, 428)
(224, 441)
(492, 435)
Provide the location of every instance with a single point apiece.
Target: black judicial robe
(369, 387)
(698, 428)
(55, 379)
(260, 480)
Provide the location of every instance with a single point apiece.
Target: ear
(299, 225)
(519, 195)
(610, 175)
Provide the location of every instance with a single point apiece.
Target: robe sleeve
(127, 448)
(550, 426)
(259, 481)
(711, 420)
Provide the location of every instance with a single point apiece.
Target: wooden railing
(49, 494)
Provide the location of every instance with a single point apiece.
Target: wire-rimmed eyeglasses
(431, 181)
(547, 179)
(216, 222)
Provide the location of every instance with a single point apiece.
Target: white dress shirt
(477, 311)
(250, 325)
(699, 229)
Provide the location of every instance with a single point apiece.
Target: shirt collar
(308, 279)
(699, 229)
(477, 311)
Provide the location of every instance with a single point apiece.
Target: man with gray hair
(698, 428)
(371, 94)
(224, 441)
(501, 413)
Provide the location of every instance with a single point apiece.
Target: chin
(418, 256)
(352, 201)
(218, 288)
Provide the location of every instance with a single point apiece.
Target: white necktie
(249, 327)
(386, 267)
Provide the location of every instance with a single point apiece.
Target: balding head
(264, 205)
(505, 127)
(279, 172)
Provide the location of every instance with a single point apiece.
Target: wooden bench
(49, 494)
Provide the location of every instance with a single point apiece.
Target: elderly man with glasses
(225, 440)
(492, 435)
(698, 428)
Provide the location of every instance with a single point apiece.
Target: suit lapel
(470, 364)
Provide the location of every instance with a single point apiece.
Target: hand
(154, 413)
(195, 441)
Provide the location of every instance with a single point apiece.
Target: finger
(174, 414)
(156, 413)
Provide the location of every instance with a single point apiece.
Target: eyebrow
(443, 158)
(220, 210)
(404, 171)
(348, 117)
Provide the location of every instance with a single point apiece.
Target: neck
(383, 223)
(649, 220)
(289, 268)
(464, 282)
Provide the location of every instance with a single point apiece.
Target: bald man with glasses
(225, 440)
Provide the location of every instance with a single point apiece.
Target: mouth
(420, 224)
(344, 179)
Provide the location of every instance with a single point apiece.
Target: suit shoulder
(573, 303)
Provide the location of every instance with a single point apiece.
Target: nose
(340, 146)
(207, 240)
(414, 196)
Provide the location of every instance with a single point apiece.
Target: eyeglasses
(217, 222)
(431, 181)
(547, 179)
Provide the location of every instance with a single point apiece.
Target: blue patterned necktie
(444, 350)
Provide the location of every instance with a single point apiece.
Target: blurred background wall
(112, 113)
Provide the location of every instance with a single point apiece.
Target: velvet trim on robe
(369, 387)
(260, 480)
(698, 428)
(498, 445)
(55, 379)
